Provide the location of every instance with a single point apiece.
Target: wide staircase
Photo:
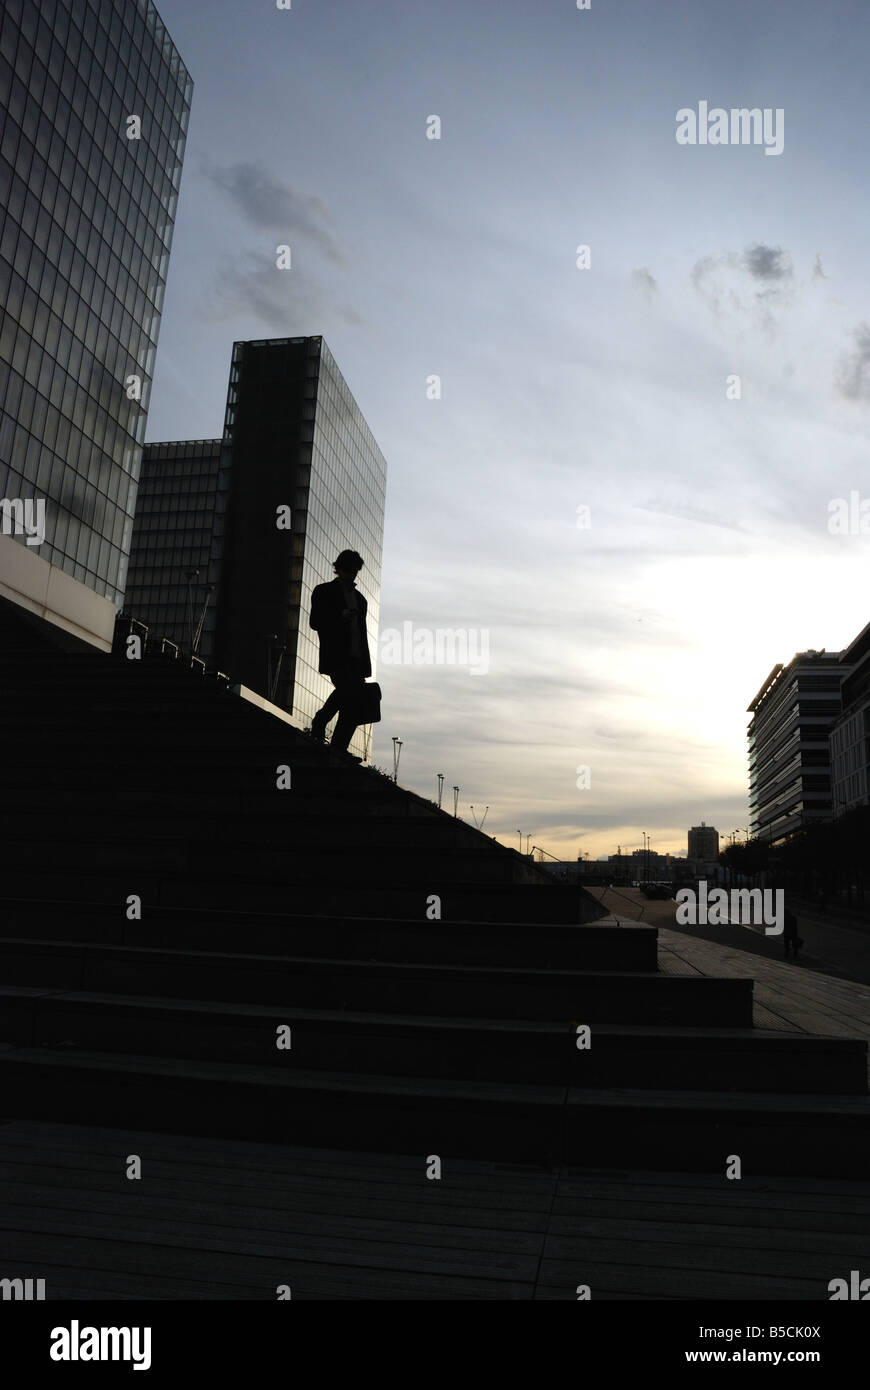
(210, 924)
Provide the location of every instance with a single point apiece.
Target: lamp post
(397, 753)
(440, 776)
(455, 800)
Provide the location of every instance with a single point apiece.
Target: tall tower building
(232, 536)
(94, 106)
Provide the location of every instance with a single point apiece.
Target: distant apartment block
(231, 536)
(789, 749)
(94, 106)
(703, 843)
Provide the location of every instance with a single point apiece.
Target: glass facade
(295, 439)
(172, 538)
(346, 496)
(86, 218)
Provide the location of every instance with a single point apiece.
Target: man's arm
(317, 614)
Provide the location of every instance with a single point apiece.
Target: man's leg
(326, 713)
(348, 685)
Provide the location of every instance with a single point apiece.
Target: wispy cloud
(275, 206)
(853, 372)
(757, 282)
(645, 283)
(768, 262)
(686, 511)
(289, 301)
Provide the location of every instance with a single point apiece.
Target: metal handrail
(541, 850)
(611, 889)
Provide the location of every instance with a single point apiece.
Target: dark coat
(327, 605)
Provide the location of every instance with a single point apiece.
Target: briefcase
(369, 708)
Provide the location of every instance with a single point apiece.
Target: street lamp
(397, 753)
(455, 800)
(440, 776)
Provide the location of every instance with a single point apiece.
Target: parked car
(657, 890)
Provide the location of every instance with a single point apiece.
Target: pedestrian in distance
(790, 939)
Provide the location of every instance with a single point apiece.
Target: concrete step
(152, 857)
(124, 823)
(316, 791)
(355, 938)
(384, 987)
(278, 813)
(341, 895)
(472, 1049)
(144, 820)
(699, 1131)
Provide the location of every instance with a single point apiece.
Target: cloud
(686, 512)
(853, 372)
(767, 262)
(270, 203)
(755, 282)
(645, 282)
(290, 303)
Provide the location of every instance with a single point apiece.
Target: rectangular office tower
(789, 751)
(94, 106)
(173, 537)
(231, 538)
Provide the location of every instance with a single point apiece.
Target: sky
(621, 490)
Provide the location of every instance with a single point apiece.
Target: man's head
(348, 564)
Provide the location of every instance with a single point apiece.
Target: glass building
(167, 577)
(297, 478)
(94, 106)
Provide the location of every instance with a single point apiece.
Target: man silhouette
(338, 614)
(790, 939)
